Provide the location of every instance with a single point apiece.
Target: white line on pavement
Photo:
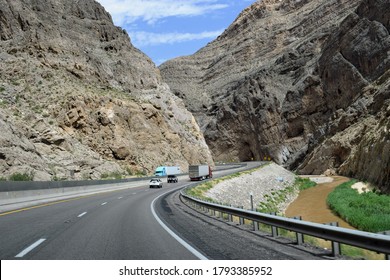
(30, 248)
(82, 214)
(104, 203)
(174, 235)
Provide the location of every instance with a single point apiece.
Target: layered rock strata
(77, 100)
(303, 82)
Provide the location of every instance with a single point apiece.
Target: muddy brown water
(311, 204)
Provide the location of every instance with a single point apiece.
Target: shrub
(304, 183)
(22, 177)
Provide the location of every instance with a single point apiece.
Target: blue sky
(165, 29)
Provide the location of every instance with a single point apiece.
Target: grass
(200, 191)
(304, 183)
(368, 211)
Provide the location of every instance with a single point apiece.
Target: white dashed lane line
(30, 248)
(40, 241)
(82, 214)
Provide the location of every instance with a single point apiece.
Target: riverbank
(272, 181)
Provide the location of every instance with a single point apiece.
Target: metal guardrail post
(387, 256)
(230, 216)
(274, 230)
(255, 225)
(299, 236)
(241, 218)
(336, 248)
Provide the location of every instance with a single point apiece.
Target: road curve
(136, 223)
(114, 225)
(221, 240)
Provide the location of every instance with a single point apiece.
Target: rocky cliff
(305, 82)
(77, 100)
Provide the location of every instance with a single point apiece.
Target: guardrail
(371, 241)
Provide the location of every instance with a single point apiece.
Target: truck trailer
(200, 172)
(167, 170)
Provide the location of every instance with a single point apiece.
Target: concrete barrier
(17, 195)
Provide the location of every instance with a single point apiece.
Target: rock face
(304, 82)
(77, 100)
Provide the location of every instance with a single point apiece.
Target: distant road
(127, 224)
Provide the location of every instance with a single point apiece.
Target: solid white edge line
(174, 235)
(30, 248)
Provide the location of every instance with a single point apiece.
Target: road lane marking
(82, 214)
(39, 206)
(120, 197)
(30, 248)
(104, 203)
(174, 235)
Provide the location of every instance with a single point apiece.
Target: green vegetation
(304, 183)
(276, 198)
(22, 177)
(112, 175)
(57, 178)
(3, 103)
(368, 211)
(134, 173)
(200, 190)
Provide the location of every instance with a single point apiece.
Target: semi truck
(167, 170)
(200, 172)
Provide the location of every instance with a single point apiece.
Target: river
(311, 204)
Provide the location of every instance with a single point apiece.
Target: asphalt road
(135, 223)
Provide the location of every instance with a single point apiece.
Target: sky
(165, 29)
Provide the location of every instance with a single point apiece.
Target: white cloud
(143, 39)
(128, 11)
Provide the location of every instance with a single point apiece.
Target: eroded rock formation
(77, 100)
(305, 82)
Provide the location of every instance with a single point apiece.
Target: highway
(138, 223)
